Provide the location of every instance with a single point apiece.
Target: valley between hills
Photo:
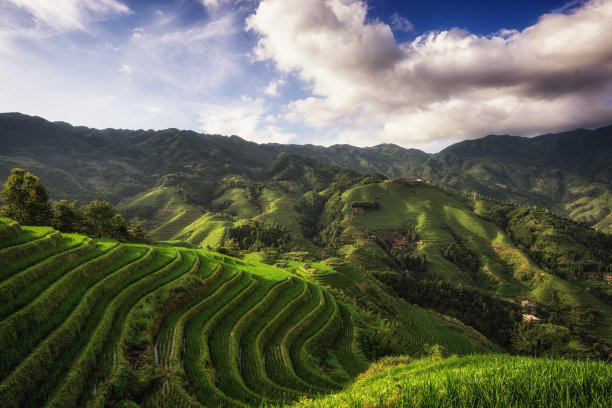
(226, 273)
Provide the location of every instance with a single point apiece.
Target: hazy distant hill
(388, 159)
(569, 172)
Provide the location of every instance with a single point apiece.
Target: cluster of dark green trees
(495, 318)
(97, 219)
(366, 205)
(550, 340)
(25, 199)
(253, 235)
(459, 254)
(309, 208)
(405, 259)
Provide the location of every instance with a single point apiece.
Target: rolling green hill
(438, 217)
(568, 173)
(95, 322)
(171, 213)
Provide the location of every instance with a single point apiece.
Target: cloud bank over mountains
(453, 84)
(316, 71)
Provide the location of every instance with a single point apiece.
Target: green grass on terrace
(208, 230)
(27, 234)
(479, 381)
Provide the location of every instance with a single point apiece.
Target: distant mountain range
(569, 173)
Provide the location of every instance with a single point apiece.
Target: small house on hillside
(402, 243)
(530, 318)
(398, 241)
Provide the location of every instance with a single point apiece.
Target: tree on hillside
(102, 220)
(67, 217)
(25, 199)
(230, 247)
(137, 233)
(98, 219)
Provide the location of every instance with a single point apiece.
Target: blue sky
(420, 74)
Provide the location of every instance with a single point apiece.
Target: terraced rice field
(93, 322)
(414, 326)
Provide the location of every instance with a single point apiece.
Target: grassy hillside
(165, 211)
(171, 211)
(438, 217)
(171, 218)
(517, 180)
(477, 381)
(209, 230)
(95, 322)
(444, 220)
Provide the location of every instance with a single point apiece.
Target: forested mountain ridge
(569, 172)
(586, 152)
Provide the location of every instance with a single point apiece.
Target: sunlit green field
(478, 381)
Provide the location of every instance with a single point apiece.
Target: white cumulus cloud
(125, 69)
(246, 118)
(449, 85)
(272, 88)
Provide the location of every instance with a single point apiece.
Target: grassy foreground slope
(477, 381)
